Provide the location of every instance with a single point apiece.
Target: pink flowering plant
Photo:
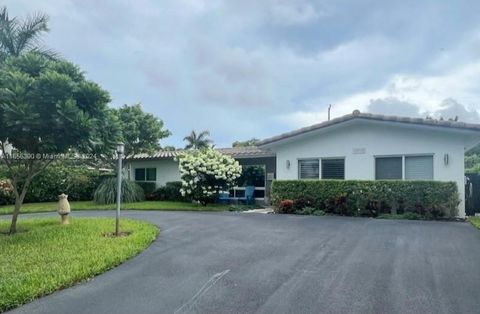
(205, 173)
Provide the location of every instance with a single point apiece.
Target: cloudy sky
(245, 69)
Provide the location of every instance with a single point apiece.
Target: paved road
(254, 263)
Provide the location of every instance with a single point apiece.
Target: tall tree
(19, 36)
(199, 141)
(47, 108)
(247, 143)
(141, 131)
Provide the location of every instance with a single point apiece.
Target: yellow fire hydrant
(63, 208)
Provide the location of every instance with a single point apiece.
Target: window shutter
(333, 169)
(419, 168)
(388, 168)
(308, 169)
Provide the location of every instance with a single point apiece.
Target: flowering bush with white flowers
(205, 173)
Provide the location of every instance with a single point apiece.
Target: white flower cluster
(205, 173)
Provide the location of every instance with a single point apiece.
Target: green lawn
(46, 256)
(85, 205)
(475, 221)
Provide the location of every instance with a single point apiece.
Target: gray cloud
(205, 64)
(294, 12)
(393, 106)
(450, 109)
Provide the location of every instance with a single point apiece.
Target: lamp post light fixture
(120, 152)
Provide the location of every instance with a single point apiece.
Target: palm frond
(29, 31)
(46, 52)
(20, 36)
(197, 141)
(203, 134)
(8, 30)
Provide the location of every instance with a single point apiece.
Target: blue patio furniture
(224, 197)
(250, 195)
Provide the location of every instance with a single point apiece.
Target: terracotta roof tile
(236, 152)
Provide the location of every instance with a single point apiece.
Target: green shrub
(305, 210)
(169, 192)
(352, 197)
(78, 182)
(106, 192)
(411, 216)
(148, 187)
(318, 212)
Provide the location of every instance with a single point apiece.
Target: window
(151, 174)
(333, 169)
(388, 168)
(308, 169)
(419, 167)
(252, 175)
(146, 174)
(140, 174)
(416, 168)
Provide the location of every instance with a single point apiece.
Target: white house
(357, 146)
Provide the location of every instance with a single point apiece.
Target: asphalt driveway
(254, 263)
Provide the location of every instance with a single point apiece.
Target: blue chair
(224, 198)
(250, 195)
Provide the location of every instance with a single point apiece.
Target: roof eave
(269, 142)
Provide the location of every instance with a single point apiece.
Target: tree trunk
(18, 204)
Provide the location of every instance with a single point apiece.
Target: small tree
(205, 173)
(47, 108)
(142, 131)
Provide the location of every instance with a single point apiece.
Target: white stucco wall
(167, 170)
(376, 139)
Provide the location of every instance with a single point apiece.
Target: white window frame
(319, 167)
(330, 158)
(419, 155)
(403, 163)
(145, 180)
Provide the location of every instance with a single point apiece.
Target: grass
(45, 256)
(86, 205)
(475, 221)
(408, 216)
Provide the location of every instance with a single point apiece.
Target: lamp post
(120, 151)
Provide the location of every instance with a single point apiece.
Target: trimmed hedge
(430, 199)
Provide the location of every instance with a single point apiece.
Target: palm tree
(199, 141)
(18, 36)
